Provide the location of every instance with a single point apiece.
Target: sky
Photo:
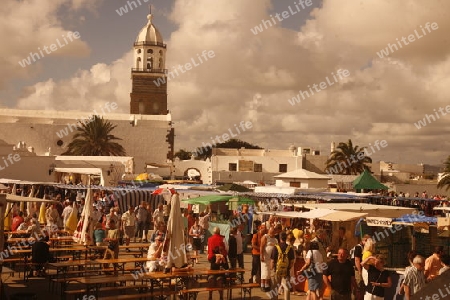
(319, 71)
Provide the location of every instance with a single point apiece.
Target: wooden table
(92, 283)
(119, 263)
(60, 240)
(182, 278)
(63, 268)
(20, 240)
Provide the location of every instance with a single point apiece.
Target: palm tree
(445, 179)
(94, 138)
(347, 159)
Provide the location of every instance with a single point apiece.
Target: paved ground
(39, 286)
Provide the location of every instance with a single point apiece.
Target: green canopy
(366, 181)
(205, 200)
(234, 187)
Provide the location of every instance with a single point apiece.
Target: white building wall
(269, 164)
(146, 141)
(204, 167)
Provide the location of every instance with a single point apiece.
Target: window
(257, 168)
(294, 184)
(139, 51)
(150, 51)
(282, 168)
(232, 167)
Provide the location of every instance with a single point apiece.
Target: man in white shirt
(66, 212)
(129, 224)
(158, 215)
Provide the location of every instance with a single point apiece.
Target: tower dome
(149, 34)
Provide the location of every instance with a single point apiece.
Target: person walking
(340, 276)
(256, 259)
(128, 225)
(360, 288)
(313, 262)
(196, 233)
(415, 278)
(268, 242)
(141, 228)
(282, 260)
(217, 255)
(379, 278)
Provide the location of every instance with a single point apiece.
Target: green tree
(183, 154)
(205, 152)
(347, 159)
(94, 138)
(444, 182)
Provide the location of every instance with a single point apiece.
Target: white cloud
(381, 99)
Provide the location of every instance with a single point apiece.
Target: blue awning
(415, 218)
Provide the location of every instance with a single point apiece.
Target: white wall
(146, 141)
(269, 164)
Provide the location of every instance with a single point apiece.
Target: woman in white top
(268, 243)
(313, 272)
(196, 233)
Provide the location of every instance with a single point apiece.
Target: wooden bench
(192, 293)
(79, 293)
(246, 289)
(62, 279)
(148, 295)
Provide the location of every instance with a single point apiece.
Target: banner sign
(378, 221)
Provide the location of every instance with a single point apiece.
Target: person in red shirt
(217, 256)
(16, 221)
(216, 242)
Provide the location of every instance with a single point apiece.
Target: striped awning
(135, 197)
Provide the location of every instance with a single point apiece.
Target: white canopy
(371, 210)
(88, 171)
(323, 214)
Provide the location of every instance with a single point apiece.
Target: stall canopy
(233, 187)
(320, 213)
(371, 210)
(205, 200)
(366, 181)
(415, 218)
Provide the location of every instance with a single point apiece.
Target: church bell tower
(148, 75)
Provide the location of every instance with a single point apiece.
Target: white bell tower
(149, 79)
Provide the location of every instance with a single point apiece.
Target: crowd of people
(357, 273)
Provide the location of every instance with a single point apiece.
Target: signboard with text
(378, 221)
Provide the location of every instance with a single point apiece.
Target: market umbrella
(31, 206)
(42, 219)
(88, 226)
(22, 204)
(175, 234)
(162, 191)
(72, 220)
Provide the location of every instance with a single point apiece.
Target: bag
(283, 261)
(77, 233)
